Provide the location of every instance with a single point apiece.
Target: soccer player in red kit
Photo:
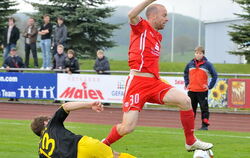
(144, 84)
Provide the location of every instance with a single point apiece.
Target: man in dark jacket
(11, 35)
(60, 34)
(196, 81)
(30, 35)
(101, 63)
(13, 61)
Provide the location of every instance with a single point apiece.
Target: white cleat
(199, 145)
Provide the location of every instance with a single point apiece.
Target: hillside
(186, 36)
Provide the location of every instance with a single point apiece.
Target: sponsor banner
(239, 93)
(83, 87)
(107, 88)
(177, 82)
(110, 88)
(27, 85)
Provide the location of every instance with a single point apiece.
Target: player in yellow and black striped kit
(58, 142)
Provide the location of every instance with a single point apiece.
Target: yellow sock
(126, 155)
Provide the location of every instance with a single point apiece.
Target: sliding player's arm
(133, 14)
(71, 106)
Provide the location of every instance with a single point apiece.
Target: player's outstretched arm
(71, 106)
(133, 14)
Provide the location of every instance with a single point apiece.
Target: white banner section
(106, 88)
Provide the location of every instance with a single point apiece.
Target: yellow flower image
(222, 87)
(238, 85)
(216, 94)
(238, 92)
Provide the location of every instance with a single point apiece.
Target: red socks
(112, 137)
(187, 120)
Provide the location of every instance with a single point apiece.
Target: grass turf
(122, 65)
(17, 140)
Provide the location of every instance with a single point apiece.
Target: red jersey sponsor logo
(144, 49)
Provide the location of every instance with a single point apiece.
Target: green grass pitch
(17, 140)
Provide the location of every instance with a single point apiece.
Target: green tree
(85, 19)
(241, 33)
(6, 10)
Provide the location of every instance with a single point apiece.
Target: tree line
(87, 30)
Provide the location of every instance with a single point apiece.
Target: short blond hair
(60, 46)
(200, 49)
(100, 52)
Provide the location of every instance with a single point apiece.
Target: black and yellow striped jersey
(56, 141)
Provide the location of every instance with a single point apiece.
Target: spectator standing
(196, 81)
(11, 35)
(60, 34)
(71, 62)
(13, 61)
(30, 35)
(101, 63)
(45, 32)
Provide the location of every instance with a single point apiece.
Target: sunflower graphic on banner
(218, 95)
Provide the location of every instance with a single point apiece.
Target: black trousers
(30, 47)
(202, 99)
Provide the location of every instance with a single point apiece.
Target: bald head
(157, 16)
(153, 9)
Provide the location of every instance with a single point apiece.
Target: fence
(231, 92)
(122, 72)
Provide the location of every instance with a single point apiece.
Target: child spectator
(196, 76)
(101, 63)
(71, 62)
(101, 66)
(59, 58)
(13, 61)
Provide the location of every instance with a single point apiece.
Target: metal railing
(117, 72)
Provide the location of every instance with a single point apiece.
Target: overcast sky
(210, 9)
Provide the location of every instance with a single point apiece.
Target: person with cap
(13, 61)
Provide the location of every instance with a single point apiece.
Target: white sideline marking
(144, 131)
(181, 133)
(12, 123)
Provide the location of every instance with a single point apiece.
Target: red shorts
(140, 90)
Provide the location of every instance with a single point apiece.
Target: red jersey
(144, 49)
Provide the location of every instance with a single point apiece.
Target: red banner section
(239, 93)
